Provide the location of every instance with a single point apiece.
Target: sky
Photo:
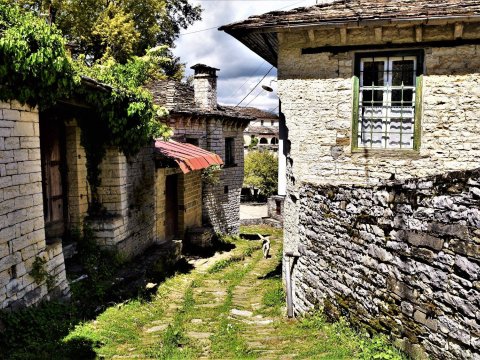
(240, 68)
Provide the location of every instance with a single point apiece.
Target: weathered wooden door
(53, 176)
(171, 207)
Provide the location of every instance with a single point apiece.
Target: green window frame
(387, 102)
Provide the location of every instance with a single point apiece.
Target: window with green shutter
(387, 101)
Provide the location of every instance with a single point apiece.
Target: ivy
(35, 69)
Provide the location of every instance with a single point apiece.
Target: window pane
(403, 72)
(372, 97)
(373, 72)
(405, 95)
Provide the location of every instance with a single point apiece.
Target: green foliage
(261, 172)
(378, 348)
(99, 265)
(119, 28)
(253, 143)
(34, 333)
(211, 175)
(130, 120)
(40, 274)
(275, 295)
(34, 68)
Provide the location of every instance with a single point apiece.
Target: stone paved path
(232, 296)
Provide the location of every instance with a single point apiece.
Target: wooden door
(171, 207)
(53, 168)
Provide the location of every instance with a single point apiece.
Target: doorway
(171, 207)
(52, 146)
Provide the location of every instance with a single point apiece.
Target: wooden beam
(347, 48)
(458, 33)
(418, 33)
(343, 35)
(378, 34)
(311, 35)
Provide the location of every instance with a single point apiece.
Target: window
(261, 122)
(229, 151)
(387, 100)
(193, 141)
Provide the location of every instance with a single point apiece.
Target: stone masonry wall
(402, 258)
(127, 192)
(221, 202)
(316, 91)
(22, 227)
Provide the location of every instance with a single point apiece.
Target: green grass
(121, 329)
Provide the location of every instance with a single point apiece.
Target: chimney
(205, 86)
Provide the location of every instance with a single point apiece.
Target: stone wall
(316, 91)
(127, 193)
(402, 258)
(22, 227)
(190, 203)
(221, 202)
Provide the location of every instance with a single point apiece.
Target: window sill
(400, 153)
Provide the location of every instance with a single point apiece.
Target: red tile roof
(188, 157)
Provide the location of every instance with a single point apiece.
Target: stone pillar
(205, 86)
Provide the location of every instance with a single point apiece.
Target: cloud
(238, 65)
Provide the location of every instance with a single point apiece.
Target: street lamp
(269, 86)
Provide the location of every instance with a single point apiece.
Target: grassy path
(230, 306)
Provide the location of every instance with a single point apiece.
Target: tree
(119, 28)
(261, 172)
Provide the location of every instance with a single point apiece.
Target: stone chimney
(205, 86)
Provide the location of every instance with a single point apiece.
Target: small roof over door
(188, 157)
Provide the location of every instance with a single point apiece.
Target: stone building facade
(196, 118)
(384, 221)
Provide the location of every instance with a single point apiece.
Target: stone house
(196, 118)
(380, 102)
(148, 198)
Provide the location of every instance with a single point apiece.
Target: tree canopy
(261, 172)
(120, 29)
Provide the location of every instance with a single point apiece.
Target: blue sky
(240, 68)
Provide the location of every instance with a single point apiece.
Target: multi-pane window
(387, 101)
(229, 151)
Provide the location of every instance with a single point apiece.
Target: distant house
(198, 119)
(381, 102)
(263, 130)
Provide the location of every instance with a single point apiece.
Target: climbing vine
(35, 69)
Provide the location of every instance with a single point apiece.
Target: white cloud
(238, 65)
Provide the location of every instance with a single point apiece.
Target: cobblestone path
(225, 316)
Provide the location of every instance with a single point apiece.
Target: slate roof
(255, 113)
(259, 32)
(179, 98)
(342, 12)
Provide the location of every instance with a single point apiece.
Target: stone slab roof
(256, 113)
(259, 32)
(179, 99)
(342, 12)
